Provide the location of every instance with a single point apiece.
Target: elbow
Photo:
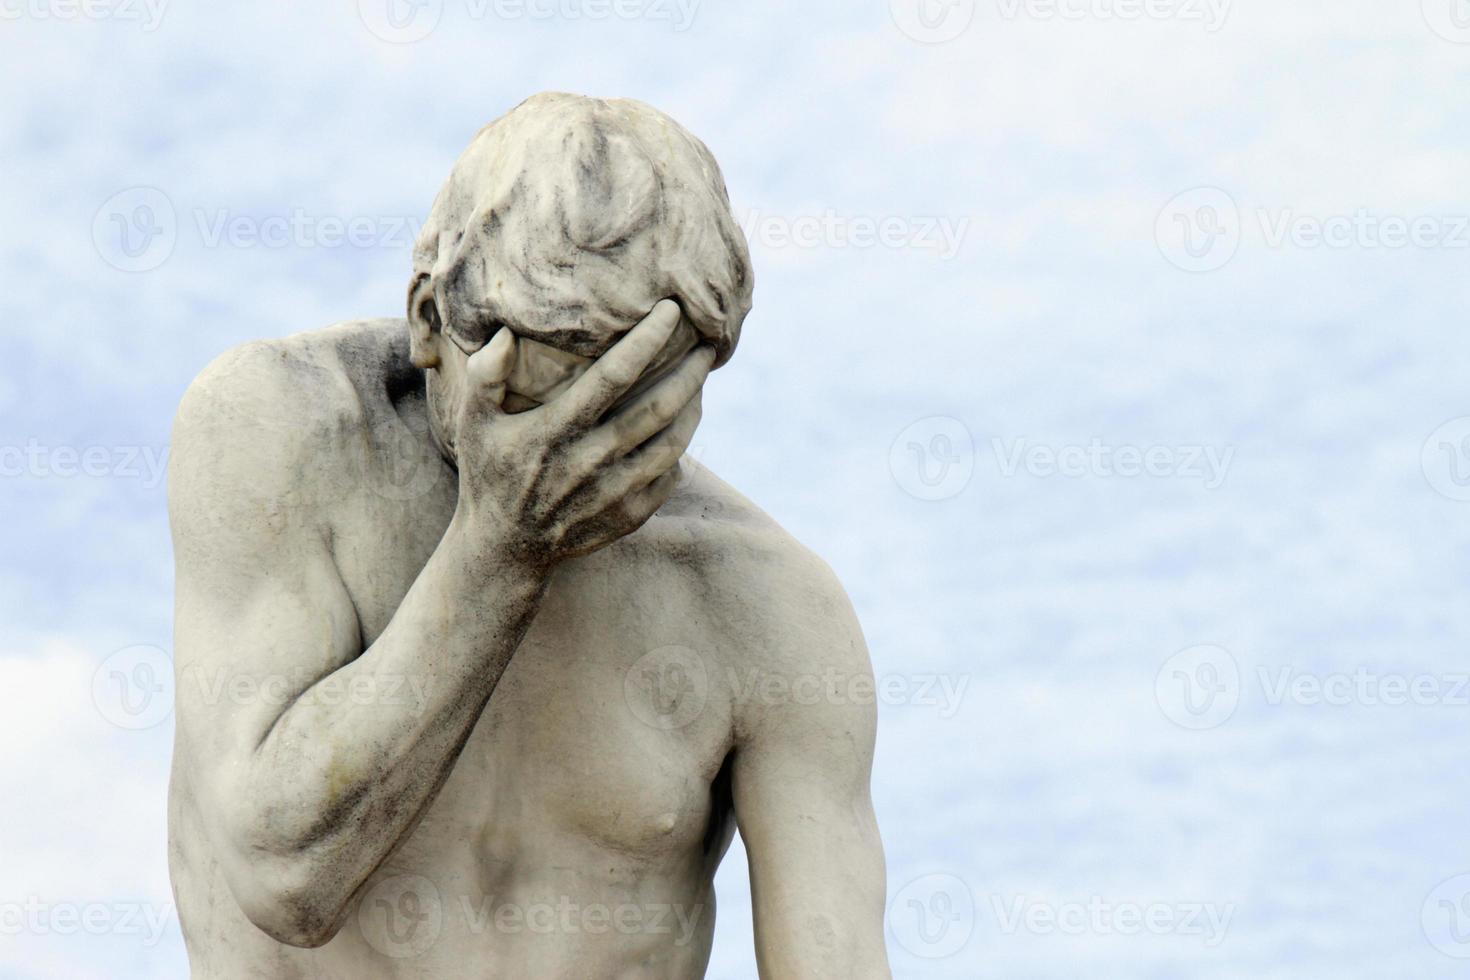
(291, 901)
(278, 869)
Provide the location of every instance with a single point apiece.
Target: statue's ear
(423, 323)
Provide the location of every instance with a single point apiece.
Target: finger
(615, 371)
(651, 412)
(660, 454)
(626, 515)
(488, 368)
(642, 504)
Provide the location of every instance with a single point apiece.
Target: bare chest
(608, 730)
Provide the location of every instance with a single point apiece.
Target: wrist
(494, 549)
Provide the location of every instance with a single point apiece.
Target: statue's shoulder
(746, 557)
(778, 611)
(269, 413)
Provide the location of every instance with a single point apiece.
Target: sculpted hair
(578, 214)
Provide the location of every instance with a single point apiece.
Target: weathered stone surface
(477, 674)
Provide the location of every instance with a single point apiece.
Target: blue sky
(1112, 353)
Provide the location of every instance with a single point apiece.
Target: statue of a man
(477, 672)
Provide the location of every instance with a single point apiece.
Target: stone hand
(589, 467)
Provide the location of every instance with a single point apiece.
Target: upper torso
(579, 831)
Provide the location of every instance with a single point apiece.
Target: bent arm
(304, 791)
(309, 757)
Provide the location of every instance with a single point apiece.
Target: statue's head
(566, 221)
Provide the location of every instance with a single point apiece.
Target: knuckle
(592, 456)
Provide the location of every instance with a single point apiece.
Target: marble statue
(477, 671)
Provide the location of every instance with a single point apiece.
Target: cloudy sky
(1111, 351)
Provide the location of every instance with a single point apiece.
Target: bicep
(249, 639)
(805, 812)
(260, 610)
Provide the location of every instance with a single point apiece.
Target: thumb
(489, 367)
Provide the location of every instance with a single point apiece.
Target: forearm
(338, 780)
